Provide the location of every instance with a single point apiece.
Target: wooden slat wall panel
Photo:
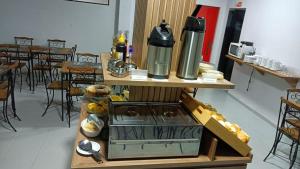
(147, 30)
(145, 93)
(154, 94)
(139, 27)
(173, 11)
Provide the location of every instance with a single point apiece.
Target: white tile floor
(47, 142)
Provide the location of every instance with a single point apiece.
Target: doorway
(232, 34)
(210, 14)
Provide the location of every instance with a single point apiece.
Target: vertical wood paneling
(162, 11)
(147, 30)
(177, 32)
(162, 94)
(145, 93)
(154, 94)
(151, 94)
(141, 9)
(132, 93)
(150, 14)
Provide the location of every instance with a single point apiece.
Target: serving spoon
(86, 145)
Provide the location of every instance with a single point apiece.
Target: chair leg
(276, 142)
(49, 102)
(3, 111)
(21, 76)
(274, 146)
(294, 156)
(6, 116)
(68, 108)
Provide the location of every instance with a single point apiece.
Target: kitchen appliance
(160, 46)
(241, 49)
(142, 130)
(191, 52)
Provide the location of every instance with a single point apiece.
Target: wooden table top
(67, 64)
(81, 162)
(173, 80)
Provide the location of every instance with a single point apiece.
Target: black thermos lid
(161, 36)
(194, 24)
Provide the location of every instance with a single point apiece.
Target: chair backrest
(293, 94)
(81, 75)
(23, 41)
(56, 43)
(289, 119)
(87, 57)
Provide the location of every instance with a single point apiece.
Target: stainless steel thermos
(160, 46)
(191, 51)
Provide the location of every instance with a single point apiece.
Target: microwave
(239, 50)
(235, 49)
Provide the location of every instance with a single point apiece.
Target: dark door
(232, 34)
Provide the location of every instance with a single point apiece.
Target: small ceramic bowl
(89, 133)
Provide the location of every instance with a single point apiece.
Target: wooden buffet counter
(173, 81)
(210, 158)
(202, 161)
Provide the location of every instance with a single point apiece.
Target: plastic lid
(194, 24)
(161, 36)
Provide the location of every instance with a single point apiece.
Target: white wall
(220, 29)
(126, 17)
(88, 25)
(273, 26)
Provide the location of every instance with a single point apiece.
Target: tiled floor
(47, 142)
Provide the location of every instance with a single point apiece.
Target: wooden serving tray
(214, 126)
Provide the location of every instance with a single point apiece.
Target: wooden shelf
(173, 81)
(291, 79)
(202, 161)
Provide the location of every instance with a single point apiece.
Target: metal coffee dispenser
(191, 51)
(160, 46)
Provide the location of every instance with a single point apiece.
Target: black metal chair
(22, 55)
(288, 124)
(7, 91)
(51, 84)
(74, 90)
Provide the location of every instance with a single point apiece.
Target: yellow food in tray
(100, 108)
(242, 135)
(116, 98)
(91, 126)
(232, 127)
